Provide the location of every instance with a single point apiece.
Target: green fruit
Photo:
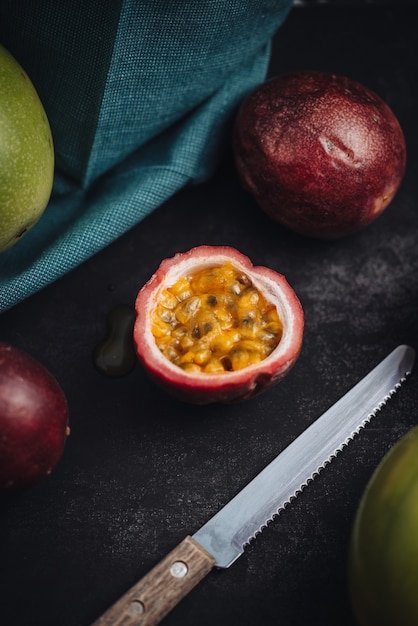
(383, 559)
(26, 153)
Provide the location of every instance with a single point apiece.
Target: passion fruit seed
(215, 321)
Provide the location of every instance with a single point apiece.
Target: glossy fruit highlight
(321, 154)
(212, 327)
(33, 420)
(383, 560)
(26, 153)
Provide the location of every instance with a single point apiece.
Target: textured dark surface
(140, 471)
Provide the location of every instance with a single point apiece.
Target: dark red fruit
(33, 420)
(321, 154)
(210, 326)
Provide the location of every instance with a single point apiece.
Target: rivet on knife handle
(147, 602)
(220, 541)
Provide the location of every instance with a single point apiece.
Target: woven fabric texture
(140, 96)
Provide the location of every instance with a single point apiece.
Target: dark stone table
(140, 470)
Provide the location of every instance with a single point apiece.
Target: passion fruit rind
(322, 154)
(232, 386)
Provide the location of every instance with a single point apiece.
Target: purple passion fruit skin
(33, 420)
(321, 154)
(231, 386)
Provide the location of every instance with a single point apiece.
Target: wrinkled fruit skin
(26, 153)
(321, 154)
(383, 559)
(33, 420)
(233, 386)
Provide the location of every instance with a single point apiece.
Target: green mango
(383, 555)
(26, 153)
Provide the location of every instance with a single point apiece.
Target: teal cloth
(140, 96)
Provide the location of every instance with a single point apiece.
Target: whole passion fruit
(26, 153)
(383, 555)
(212, 327)
(321, 153)
(33, 420)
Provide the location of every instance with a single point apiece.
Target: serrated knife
(222, 539)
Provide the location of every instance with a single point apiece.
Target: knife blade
(220, 541)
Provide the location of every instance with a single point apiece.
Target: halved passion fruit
(212, 327)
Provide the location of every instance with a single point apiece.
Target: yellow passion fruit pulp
(215, 321)
(210, 326)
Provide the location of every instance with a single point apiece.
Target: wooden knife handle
(150, 599)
